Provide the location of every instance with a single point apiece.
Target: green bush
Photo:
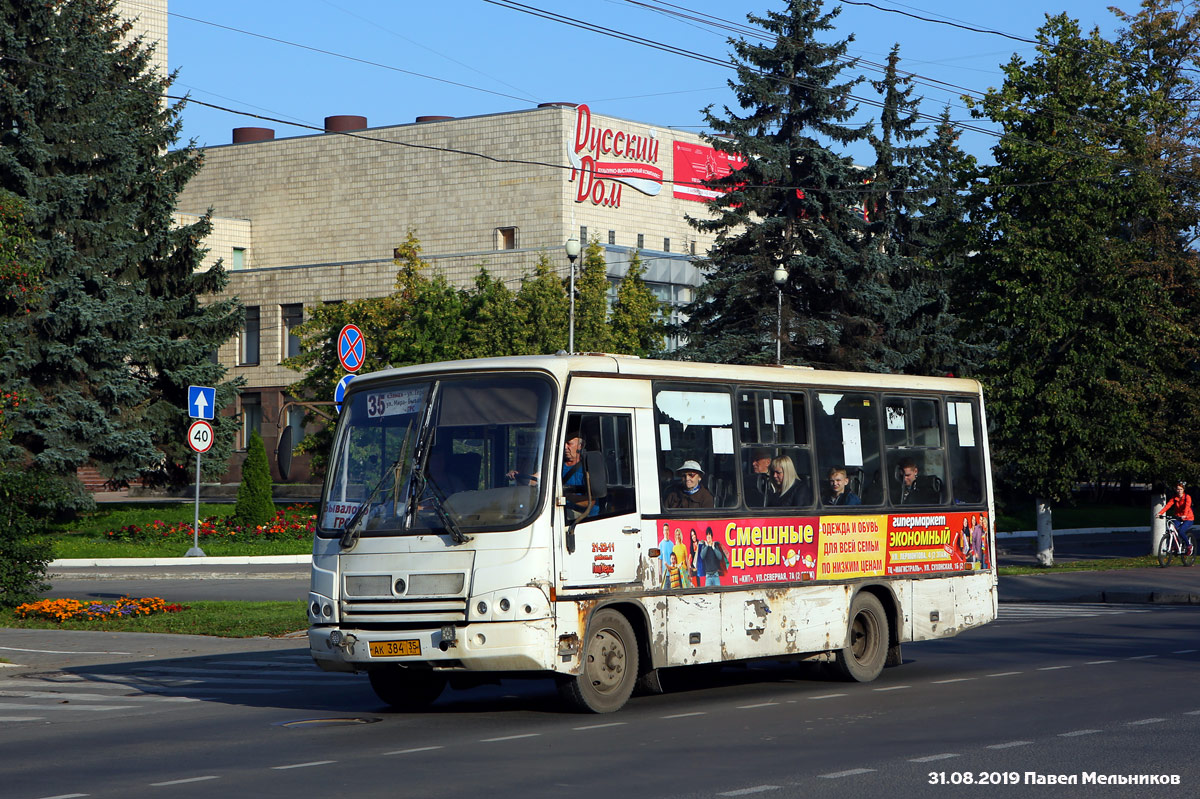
(27, 500)
(254, 504)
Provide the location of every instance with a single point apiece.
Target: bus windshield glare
(454, 454)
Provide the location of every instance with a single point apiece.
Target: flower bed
(294, 522)
(75, 610)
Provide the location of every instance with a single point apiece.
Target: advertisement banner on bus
(751, 551)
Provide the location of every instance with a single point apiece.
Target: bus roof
(600, 365)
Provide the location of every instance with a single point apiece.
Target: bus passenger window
(772, 436)
(846, 433)
(696, 457)
(965, 452)
(915, 455)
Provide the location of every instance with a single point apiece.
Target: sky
(394, 60)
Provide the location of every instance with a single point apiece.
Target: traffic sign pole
(200, 438)
(196, 551)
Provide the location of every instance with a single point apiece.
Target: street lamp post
(780, 278)
(572, 248)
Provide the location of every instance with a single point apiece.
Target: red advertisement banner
(694, 163)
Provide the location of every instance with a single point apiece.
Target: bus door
(598, 523)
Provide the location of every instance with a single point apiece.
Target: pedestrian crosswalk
(151, 687)
(1043, 611)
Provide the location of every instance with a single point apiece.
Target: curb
(223, 560)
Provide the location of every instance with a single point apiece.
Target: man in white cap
(689, 493)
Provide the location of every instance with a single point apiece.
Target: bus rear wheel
(407, 689)
(610, 665)
(866, 647)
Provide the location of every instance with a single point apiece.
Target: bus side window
(846, 431)
(607, 464)
(915, 453)
(694, 427)
(964, 450)
(773, 425)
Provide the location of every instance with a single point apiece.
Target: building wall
(149, 18)
(317, 217)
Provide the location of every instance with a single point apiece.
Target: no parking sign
(352, 348)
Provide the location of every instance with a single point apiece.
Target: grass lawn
(1098, 564)
(224, 619)
(87, 535)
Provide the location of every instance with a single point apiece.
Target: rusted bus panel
(949, 605)
(784, 622)
(693, 628)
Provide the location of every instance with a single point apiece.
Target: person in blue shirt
(839, 490)
(575, 479)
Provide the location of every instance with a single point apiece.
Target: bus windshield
(451, 454)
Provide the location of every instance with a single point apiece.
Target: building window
(251, 417)
(238, 261)
(666, 245)
(583, 235)
(293, 316)
(506, 238)
(692, 246)
(250, 338)
(641, 241)
(612, 237)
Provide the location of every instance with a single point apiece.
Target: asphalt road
(1047, 690)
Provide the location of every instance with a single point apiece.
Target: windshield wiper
(421, 478)
(353, 529)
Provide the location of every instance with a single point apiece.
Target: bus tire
(407, 689)
(610, 665)
(866, 640)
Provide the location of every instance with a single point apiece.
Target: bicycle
(1173, 543)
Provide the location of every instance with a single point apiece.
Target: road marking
(1052, 668)
(67, 796)
(414, 751)
(1098, 662)
(755, 789)
(59, 652)
(931, 758)
(685, 715)
(1184, 651)
(602, 726)
(760, 704)
(1010, 745)
(893, 688)
(956, 679)
(1142, 657)
(304, 765)
(1145, 721)
(183, 782)
(1004, 674)
(1192, 713)
(509, 737)
(22, 718)
(837, 775)
(826, 696)
(1077, 733)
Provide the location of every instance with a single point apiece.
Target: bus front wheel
(610, 665)
(406, 689)
(866, 647)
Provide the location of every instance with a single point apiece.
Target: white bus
(699, 523)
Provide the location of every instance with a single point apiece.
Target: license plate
(392, 649)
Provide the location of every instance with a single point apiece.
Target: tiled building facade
(315, 218)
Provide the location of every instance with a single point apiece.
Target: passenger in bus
(689, 493)
(786, 491)
(913, 489)
(839, 488)
(576, 488)
(758, 480)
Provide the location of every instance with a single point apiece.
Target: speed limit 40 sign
(200, 436)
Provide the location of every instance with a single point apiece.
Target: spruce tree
(254, 506)
(592, 333)
(543, 307)
(793, 204)
(118, 333)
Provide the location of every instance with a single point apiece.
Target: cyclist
(1182, 504)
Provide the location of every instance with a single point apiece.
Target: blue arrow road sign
(202, 402)
(339, 393)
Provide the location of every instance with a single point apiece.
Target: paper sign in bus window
(722, 441)
(966, 424)
(895, 417)
(852, 453)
